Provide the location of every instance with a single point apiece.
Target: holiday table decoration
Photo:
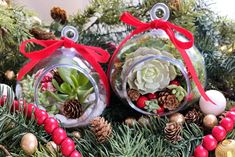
(67, 78)
(161, 62)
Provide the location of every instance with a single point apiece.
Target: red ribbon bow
(93, 55)
(170, 30)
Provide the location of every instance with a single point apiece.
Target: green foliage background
(99, 25)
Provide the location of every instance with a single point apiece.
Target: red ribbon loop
(171, 31)
(93, 55)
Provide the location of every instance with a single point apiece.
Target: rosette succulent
(151, 76)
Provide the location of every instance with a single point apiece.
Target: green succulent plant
(150, 76)
(178, 91)
(75, 86)
(152, 105)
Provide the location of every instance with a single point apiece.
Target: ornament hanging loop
(162, 8)
(70, 32)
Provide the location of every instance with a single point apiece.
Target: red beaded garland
(200, 151)
(50, 124)
(219, 133)
(40, 116)
(75, 154)
(3, 100)
(28, 109)
(231, 114)
(232, 109)
(58, 135)
(209, 142)
(67, 146)
(227, 124)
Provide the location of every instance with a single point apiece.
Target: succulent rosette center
(151, 76)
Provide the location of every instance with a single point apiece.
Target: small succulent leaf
(74, 79)
(63, 96)
(56, 85)
(82, 79)
(65, 74)
(83, 94)
(152, 105)
(66, 88)
(53, 95)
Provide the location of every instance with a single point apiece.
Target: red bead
(161, 110)
(232, 109)
(209, 142)
(231, 114)
(219, 133)
(141, 102)
(50, 124)
(29, 109)
(67, 146)
(40, 116)
(58, 135)
(15, 106)
(200, 151)
(151, 96)
(75, 154)
(174, 82)
(227, 124)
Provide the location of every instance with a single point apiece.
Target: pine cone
(101, 128)
(57, 77)
(175, 4)
(173, 132)
(133, 94)
(72, 109)
(41, 34)
(59, 15)
(168, 101)
(222, 116)
(194, 116)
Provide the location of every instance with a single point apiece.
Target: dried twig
(7, 153)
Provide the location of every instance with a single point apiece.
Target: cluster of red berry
(209, 142)
(51, 126)
(150, 96)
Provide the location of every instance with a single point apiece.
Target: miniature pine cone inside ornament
(72, 109)
(59, 15)
(133, 94)
(168, 101)
(42, 34)
(173, 132)
(101, 128)
(194, 116)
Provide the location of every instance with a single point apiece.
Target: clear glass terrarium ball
(149, 74)
(68, 87)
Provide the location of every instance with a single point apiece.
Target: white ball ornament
(209, 108)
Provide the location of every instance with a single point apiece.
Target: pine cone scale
(72, 109)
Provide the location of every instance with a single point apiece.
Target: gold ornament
(9, 74)
(130, 122)
(29, 143)
(76, 135)
(178, 118)
(52, 147)
(225, 149)
(209, 121)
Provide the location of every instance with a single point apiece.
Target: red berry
(75, 154)
(151, 96)
(161, 110)
(58, 135)
(141, 102)
(50, 124)
(40, 116)
(174, 82)
(231, 114)
(200, 151)
(209, 142)
(219, 133)
(227, 124)
(67, 146)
